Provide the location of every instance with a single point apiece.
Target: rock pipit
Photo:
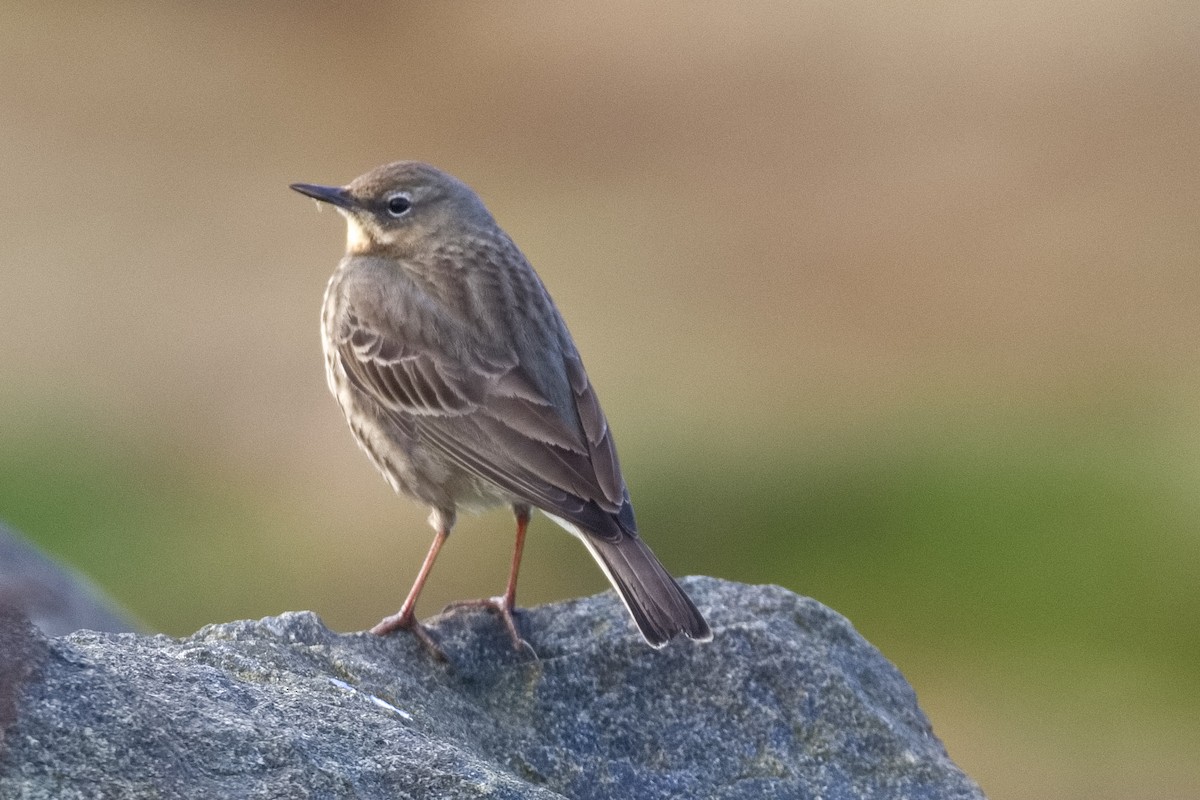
(460, 381)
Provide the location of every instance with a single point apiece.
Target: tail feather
(656, 602)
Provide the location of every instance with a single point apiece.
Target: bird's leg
(507, 602)
(510, 591)
(405, 618)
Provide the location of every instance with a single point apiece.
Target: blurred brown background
(893, 306)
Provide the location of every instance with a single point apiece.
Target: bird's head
(396, 209)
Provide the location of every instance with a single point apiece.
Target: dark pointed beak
(334, 195)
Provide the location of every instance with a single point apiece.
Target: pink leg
(405, 619)
(505, 604)
(510, 592)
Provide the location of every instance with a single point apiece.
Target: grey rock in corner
(56, 598)
(788, 701)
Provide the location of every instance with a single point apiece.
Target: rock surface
(788, 701)
(55, 597)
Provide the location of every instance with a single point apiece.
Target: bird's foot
(408, 622)
(499, 605)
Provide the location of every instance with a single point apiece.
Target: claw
(398, 622)
(498, 605)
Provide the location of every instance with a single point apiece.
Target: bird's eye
(399, 204)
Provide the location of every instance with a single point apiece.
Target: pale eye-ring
(399, 204)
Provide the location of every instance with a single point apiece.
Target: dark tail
(657, 603)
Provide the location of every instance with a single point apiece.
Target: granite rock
(56, 598)
(788, 701)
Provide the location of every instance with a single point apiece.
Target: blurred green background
(895, 306)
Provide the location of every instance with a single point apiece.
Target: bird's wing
(483, 411)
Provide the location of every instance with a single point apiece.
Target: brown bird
(460, 381)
